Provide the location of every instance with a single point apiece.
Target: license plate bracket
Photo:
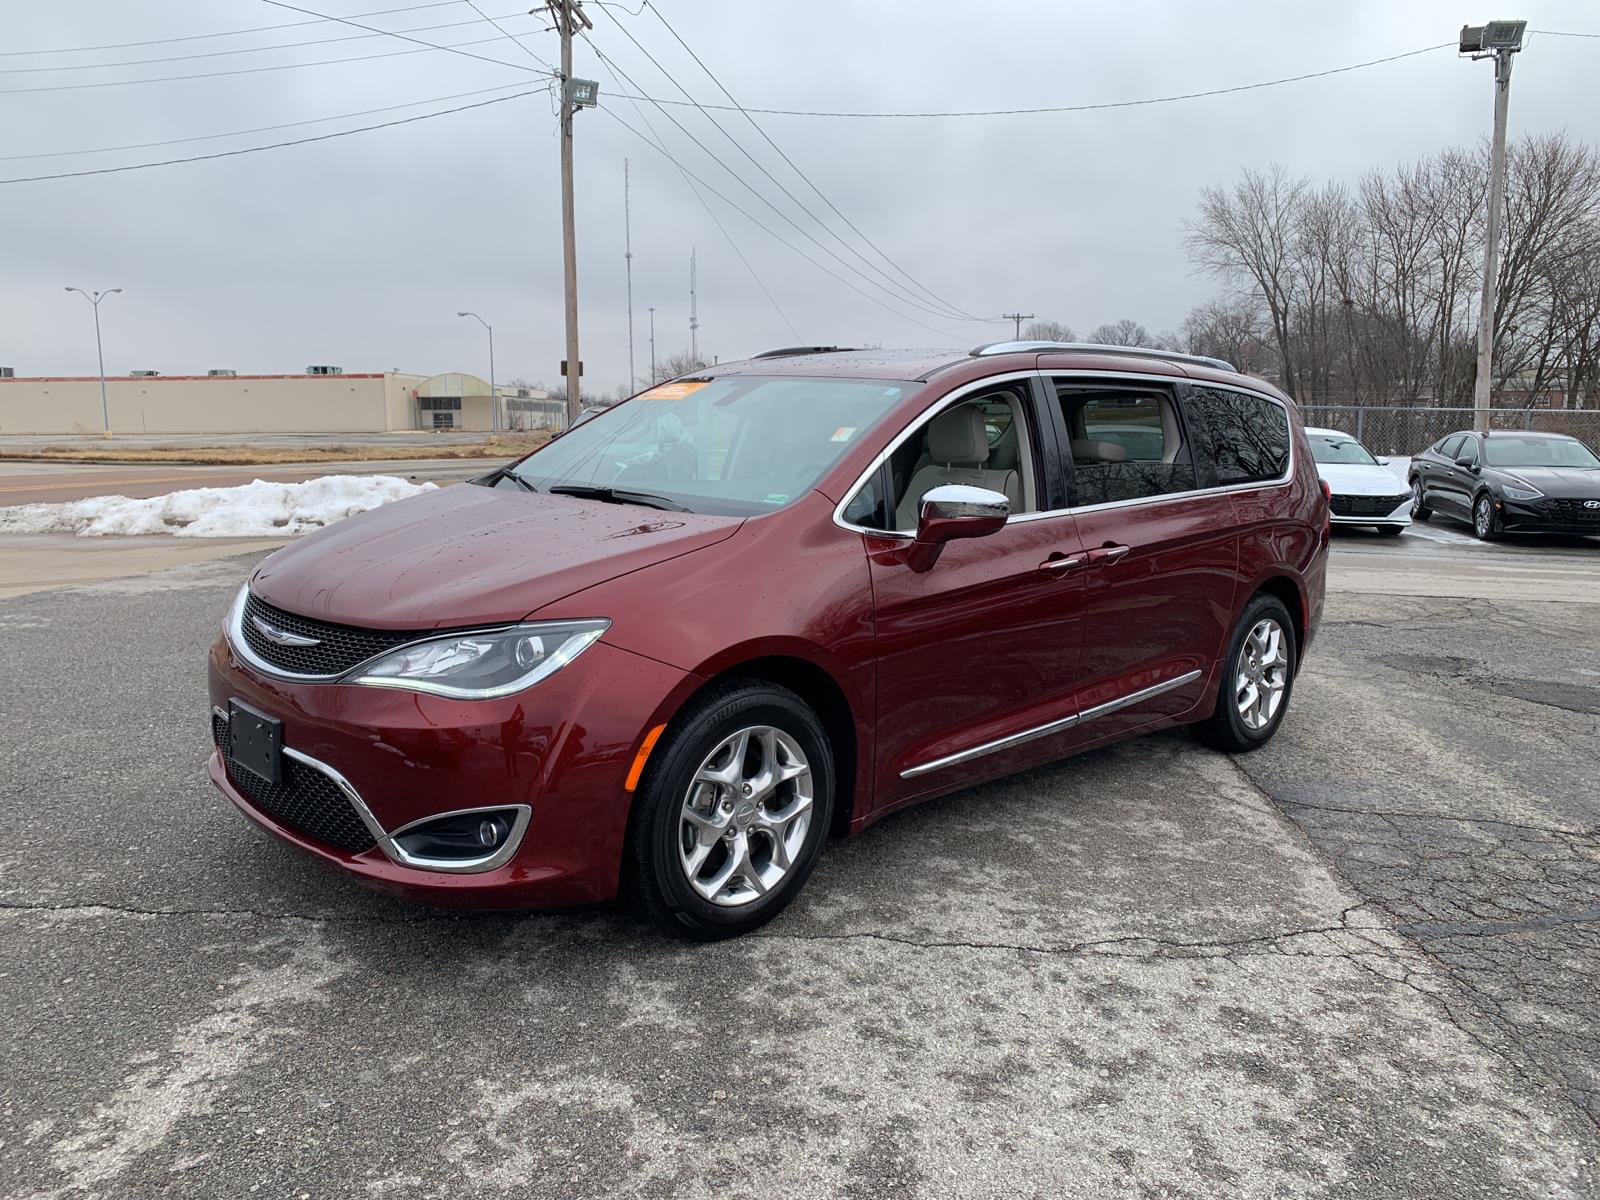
(255, 742)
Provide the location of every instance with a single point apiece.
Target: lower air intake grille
(1367, 506)
(306, 801)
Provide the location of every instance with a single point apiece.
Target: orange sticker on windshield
(674, 391)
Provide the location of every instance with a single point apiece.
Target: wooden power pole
(567, 16)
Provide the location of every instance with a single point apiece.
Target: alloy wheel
(745, 816)
(1263, 674)
(1416, 498)
(1482, 517)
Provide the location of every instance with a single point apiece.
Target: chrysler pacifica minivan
(673, 652)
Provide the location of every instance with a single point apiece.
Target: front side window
(1247, 436)
(984, 441)
(1511, 451)
(1468, 450)
(1127, 444)
(738, 445)
(1451, 446)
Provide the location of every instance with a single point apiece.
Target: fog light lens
(458, 837)
(491, 832)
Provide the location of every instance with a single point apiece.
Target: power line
(142, 62)
(904, 294)
(472, 4)
(775, 236)
(275, 145)
(744, 183)
(210, 137)
(403, 37)
(1560, 33)
(1061, 108)
(715, 220)
(794, 167)
(200, 37)
(321, 62)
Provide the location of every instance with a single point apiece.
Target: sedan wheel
(745, 816)
(1483, 523)
(1419, 506)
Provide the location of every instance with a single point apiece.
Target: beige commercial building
(378, 402)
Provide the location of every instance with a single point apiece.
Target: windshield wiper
(508, 473)
(612, 495)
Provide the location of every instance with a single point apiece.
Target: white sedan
(1365, 491)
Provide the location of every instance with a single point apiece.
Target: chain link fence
(1404, 431)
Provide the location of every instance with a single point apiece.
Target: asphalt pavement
(1363, 962)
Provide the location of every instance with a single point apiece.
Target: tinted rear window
(1247, 436)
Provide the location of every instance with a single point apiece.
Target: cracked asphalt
(1363, 962)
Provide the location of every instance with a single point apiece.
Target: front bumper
(1359, 511)
(1548, 516)
(561, 749)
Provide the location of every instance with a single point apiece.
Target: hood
(1575, 483)
(1359, 479)
(467, 555)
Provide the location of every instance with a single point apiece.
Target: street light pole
(1498, 40)
(100, 354)
(494, 396)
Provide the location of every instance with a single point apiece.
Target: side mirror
(951, 511)
(1383, 462)
(1468, 463)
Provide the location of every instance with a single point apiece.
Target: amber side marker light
(645, 747)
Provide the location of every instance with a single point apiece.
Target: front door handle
(1060, 562)
(1108, 554)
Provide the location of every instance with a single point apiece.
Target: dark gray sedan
(1508, 481)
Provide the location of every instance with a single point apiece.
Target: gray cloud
(360, 250)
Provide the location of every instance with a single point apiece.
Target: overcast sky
(358, 251)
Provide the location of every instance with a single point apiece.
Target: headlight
(480, 666)
(1514, 492)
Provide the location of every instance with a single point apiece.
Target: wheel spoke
(710, 825)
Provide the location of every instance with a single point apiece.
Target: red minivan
(676, 649)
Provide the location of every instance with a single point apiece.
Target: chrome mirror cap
(956, 500)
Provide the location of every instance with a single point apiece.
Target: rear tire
(1419, 507)
(1257, 678)
(732, 811)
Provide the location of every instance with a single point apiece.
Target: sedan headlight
(1515, 491)
(480, 666)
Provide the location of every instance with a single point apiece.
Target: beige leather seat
(1088, 450)
(958, 444)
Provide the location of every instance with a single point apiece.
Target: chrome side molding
(1057, 726)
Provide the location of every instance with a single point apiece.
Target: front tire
(1257, 677)
(732, 811)
(1485, 524)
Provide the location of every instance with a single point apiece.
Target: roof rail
(791, 351)
(1098, 348)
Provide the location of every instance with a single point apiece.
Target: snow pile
(258, 509)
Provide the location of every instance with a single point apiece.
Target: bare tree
(1048, 331)
(1126, 332)
(674, 365)
(1235, 330)
(1249, 232)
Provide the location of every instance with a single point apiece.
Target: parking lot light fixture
(494, 397)
(94, 299)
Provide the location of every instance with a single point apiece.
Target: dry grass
(511, 446)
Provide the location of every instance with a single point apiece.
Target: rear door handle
(1108, 554)
(1060, 562)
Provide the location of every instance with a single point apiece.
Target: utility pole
(94, 300)
(567, 16)
(1019, 318)
(627, 244)
(694, 315)
(1498, 40)
(652, 345)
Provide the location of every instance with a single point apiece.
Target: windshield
(1538, 452)
(735, 446)
(1339, 448)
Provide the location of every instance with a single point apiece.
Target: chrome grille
(338, 648)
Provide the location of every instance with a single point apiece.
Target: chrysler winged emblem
(282, 636)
